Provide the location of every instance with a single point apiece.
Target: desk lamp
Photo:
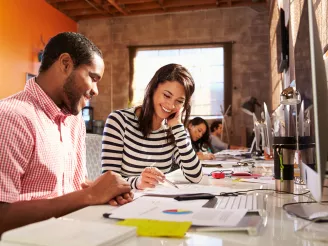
(249, 106)
(290, 96)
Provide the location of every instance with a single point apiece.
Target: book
(68, 232)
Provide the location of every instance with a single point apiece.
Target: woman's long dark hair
(171, 72)
(204, 140)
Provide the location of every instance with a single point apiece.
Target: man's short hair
(215, 125)
(80, 48)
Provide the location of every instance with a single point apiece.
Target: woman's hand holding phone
(175, 118)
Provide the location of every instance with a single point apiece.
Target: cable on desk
(320, 219)
(236, 193)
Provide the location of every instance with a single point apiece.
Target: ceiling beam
(133, 1)
(160, 3)
(112, 2)
(191, 8)
(148, 11)
(174, 9)
(72, 5)
(88, 17)
(143, 6)
(183, 3)
(244, 4)
(89, 11)
(58, 1)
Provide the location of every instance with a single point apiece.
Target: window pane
(206, 65)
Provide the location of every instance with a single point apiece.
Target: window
(206, 65)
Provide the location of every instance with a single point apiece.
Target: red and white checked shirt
(42, 152)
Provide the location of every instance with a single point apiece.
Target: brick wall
(299, 65)
(276, 78)
(247, 27)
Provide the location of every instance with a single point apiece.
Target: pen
(165, 179)
(169, 182)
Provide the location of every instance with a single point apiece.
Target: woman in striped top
(143, 142)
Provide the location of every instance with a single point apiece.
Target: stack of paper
(54, 232)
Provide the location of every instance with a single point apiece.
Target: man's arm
(105, 188)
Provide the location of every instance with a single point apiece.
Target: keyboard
(241, 169)
(252, 202)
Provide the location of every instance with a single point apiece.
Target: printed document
(173, 211)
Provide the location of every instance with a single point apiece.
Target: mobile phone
(194, 197)
(171, 116)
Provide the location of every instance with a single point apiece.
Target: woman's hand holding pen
(205, 156)
(149, 178)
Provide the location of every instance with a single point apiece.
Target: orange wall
(22, 23)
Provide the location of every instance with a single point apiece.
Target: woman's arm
(185, 155)
(112, 145)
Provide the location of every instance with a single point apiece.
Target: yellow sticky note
(157, 228)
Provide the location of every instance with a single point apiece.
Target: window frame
(227, 53)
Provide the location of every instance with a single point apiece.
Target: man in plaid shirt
(42, 152)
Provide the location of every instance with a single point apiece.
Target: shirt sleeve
(112, 146)
(17, 147)
(217, 144)
(185, 155)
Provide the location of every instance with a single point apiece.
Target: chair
(93, 152)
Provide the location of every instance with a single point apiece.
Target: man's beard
(74, 97)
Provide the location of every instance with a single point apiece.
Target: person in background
(143, 142)
(216, 144)
(199, 133)
(42, 151)
(215, 139)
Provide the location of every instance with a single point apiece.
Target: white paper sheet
(232, 152)
(216, 163)
(175, 211)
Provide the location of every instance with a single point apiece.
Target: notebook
(67, 232)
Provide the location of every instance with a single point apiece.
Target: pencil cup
(283, 154)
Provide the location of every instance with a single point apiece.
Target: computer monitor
(314, 174)
(314, 178)
(268, 130)
(301, 120)
(257, 133)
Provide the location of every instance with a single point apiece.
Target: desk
(279, 229)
